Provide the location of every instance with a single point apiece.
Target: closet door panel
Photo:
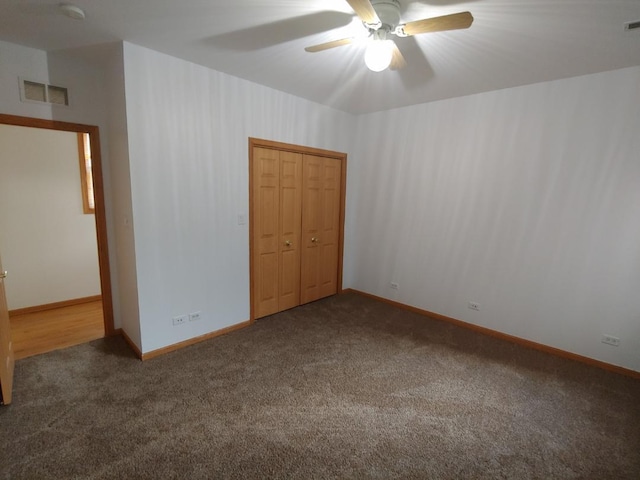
(329, 236)
(311, 224)
(290, 227)
(266, 195)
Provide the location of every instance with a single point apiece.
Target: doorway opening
(76, 320)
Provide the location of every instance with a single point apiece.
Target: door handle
(4, 274)
(315, 240)
(287, 243)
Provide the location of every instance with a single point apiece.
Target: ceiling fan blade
(325, 46)
(397, 60)
(365, 11)
(454, 21)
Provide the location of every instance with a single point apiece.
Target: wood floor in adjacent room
(41, 332)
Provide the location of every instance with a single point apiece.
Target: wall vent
(35, 91)
(43, 93)
(632, 25)
(57, 95)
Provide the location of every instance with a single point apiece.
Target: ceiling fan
(382, 19)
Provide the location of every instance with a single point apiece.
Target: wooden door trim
(98, 186)
(288, 147)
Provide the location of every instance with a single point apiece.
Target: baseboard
(503, 336)
(191, 341)
(52, 306)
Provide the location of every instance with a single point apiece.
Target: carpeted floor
(342, 388)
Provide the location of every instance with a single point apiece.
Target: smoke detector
(72, 11)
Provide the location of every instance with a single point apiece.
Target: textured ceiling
(511, 42)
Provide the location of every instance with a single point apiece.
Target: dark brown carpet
(342, 388)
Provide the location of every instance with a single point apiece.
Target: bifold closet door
(320, 227)
(289, 229)
(277, 199)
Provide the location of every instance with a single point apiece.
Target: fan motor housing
(388, 12)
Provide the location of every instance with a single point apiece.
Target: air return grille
(35, 91)
(41, 92)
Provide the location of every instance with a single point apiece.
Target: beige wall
(47, 242)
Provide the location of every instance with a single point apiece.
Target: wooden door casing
(98, 190)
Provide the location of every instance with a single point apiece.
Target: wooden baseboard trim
(503, 336)
(193, 341)
(52, 306)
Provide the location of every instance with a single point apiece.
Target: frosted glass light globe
(378, 55)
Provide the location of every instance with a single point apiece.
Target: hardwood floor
(40, 332)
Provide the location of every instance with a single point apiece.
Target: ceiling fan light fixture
(378, 55)
(382, 18)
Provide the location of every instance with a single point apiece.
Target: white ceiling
(511, 42)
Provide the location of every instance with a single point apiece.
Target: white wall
(525, 200)
(122, 233)
(95, 79)
(47, 242)
(28, 63)
(188, 130)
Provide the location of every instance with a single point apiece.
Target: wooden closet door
(329, 239)
(296, 211)
(311, 205)
(320, 227)
(290, 225)
(266, 224)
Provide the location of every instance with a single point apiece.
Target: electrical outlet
(394, 286)
(610, 340)
(180, 319)
(194, 316)
(474, 306)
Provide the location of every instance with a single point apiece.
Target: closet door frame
(287, 147)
